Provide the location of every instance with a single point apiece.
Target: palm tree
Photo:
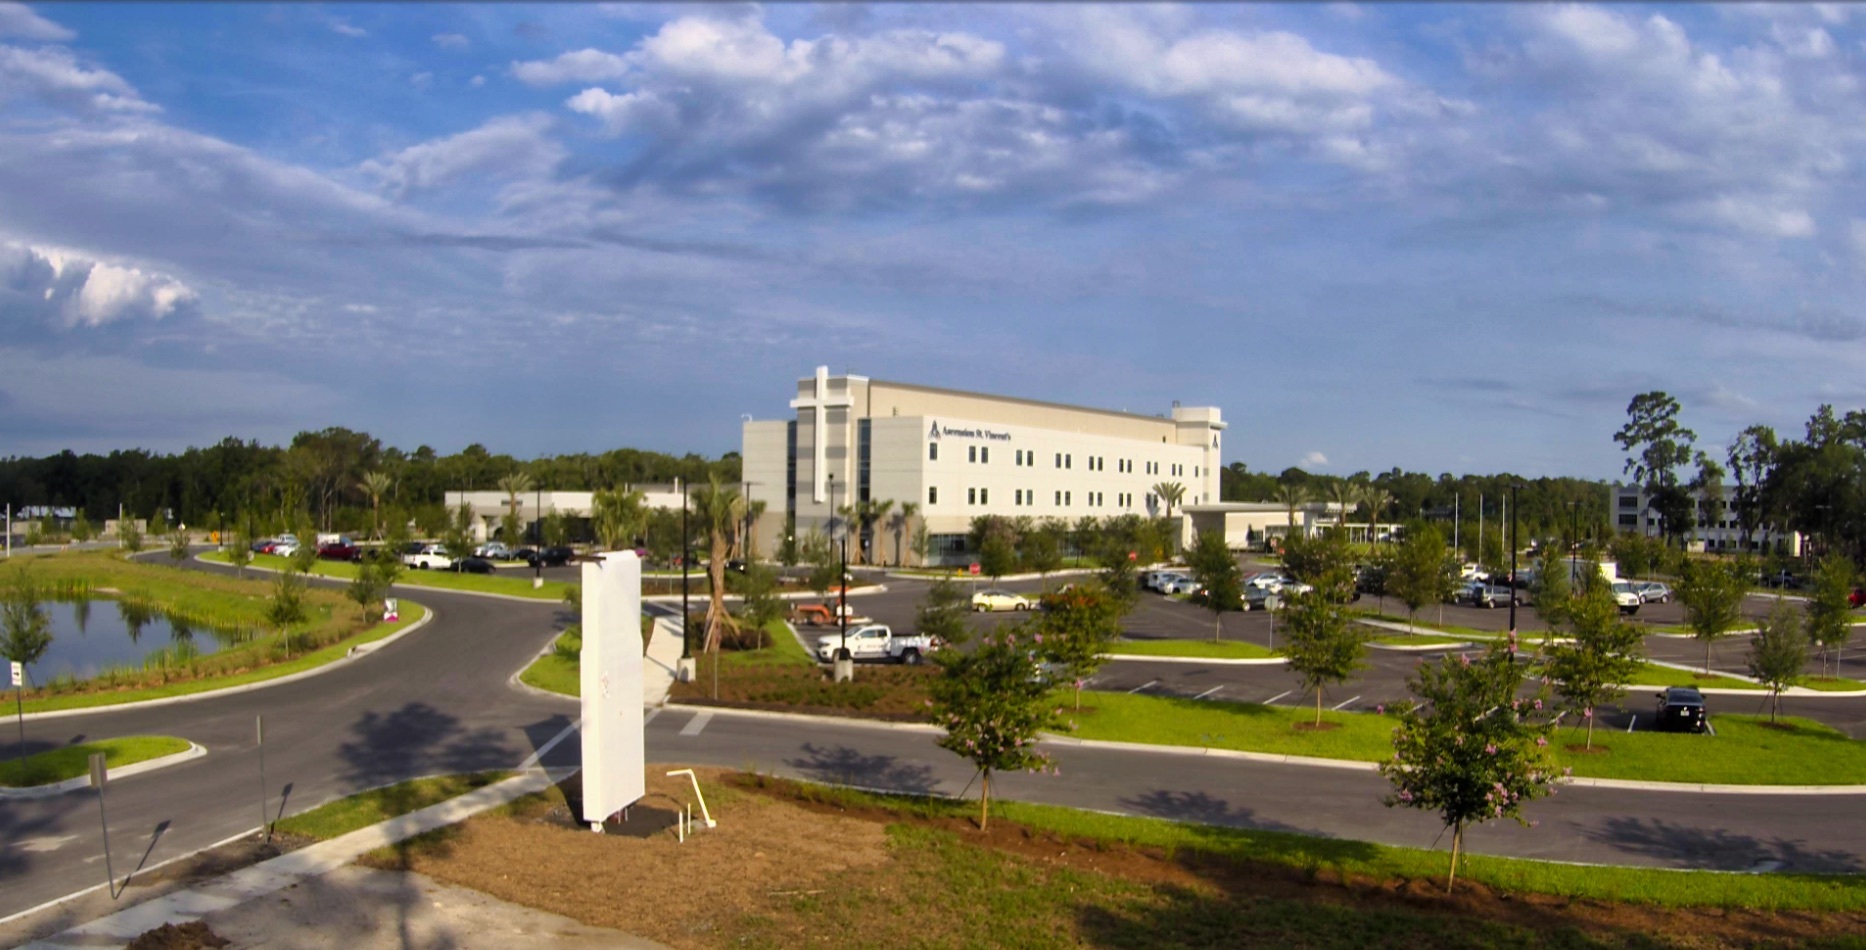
(899, 523)
(873, 514)
(376, 485)
(1170, 493)
(753, 511)
(617, 517)
(1376, 499)
(1344, 494)
(1293, 496)
(718, 510)
(514, 485)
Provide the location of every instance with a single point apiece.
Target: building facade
(1715, 528)
(959, 455)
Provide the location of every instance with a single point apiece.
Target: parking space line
(1144, 686)
(1272, 700)
(1635, 722)
(698, 722)
(1208, 692)
(648, 717)
(1344, 703)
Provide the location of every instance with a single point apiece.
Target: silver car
(1653, 592)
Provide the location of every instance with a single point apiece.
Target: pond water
(90, 636)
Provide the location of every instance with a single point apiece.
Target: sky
(1444, 238)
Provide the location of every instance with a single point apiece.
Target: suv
(1626, 597)
(1653, 592)
(1681, 708)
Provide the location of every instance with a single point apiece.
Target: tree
(239, 552)
(716, 509)
(997, 557)
(994, 705)
(1217, 572)
(1712, 593)
(178, 546)
(1751, 457)
(130, 535)
(1602, 652)
(1420, 573)
(1778, 653)
(617, 518)
(287, 606)
(514, 485)
(1551, 593)
(1656, 445)
(1319, 640)
(28, 630)
(1470, 747)
(1292, 496)
(874, 513)
(1344, 494)
(366, 587)
(899, 524)
(376, 484)
(761, 604)
(1170, 494)
(1707, 488)
(820, 554)
(1043, 549)
(1376, 499)
(1830, 609)
(943, 613)
(458, 538)
(1076, 628)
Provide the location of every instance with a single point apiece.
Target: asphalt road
(440, 700)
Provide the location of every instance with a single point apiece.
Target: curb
(399, 583)
(1215, 660)
(84, 781)
(1422, 647)
(1206, 751)
(355, 652)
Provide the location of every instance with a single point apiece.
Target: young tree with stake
(1603, 652)
(1216, 570)
(1712, 592)
(1077, 626)
(1830, 609)
(1778, 653)
(994, 706)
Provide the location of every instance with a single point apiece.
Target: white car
(877, 642)
(999, 600)
(1178, 584)
(1626, 597)
(285, 548)
(1268, 580)
(431, 557)
(494, 551)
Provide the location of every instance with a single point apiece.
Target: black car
(474, 565)
(1681, 709)
(549, 557)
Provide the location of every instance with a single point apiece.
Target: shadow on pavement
(842, 765)
(1717, 849)
(1200, 808)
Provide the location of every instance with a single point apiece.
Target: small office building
(958, 455)
(1715, 525)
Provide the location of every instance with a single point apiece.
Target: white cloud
(1313, 459)
(17, 19)
(477, 82)
(584, 65)
(451, 41)
(1759, 218)
(421, 80)
(510, 146)
(343, 28)
(54, 75)
(80, 291)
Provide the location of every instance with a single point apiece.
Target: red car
(340, 550)
(1857, 598)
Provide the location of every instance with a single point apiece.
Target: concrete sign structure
(614, 750)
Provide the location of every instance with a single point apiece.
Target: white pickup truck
(876, 641)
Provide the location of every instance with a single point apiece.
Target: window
(932, 494)
(1629, 501)
(932, 451)
(1066, 499)
(1629, 521)
(1069, 461)
(1059, 460)
(984, 496)
(984, 454)
(1059, 499)
(971, 496)
(971, 453)
(1018, 457)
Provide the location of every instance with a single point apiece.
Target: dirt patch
(647, 882)
(193, 935)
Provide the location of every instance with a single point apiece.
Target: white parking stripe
(698, 722)
(1208, 692)
(1278, 696)
(1635, 722)
(1144, 686)
(648, 717)
(1338, 708)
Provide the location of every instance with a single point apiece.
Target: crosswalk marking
(698, 722)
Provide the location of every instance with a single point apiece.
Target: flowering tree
(1471, 748)
(993, 704)
(1604, 652)
(1077, 626)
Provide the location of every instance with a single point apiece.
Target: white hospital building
(959, 455)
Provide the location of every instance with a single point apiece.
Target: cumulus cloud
(78, 291)
(584, 65)
(453, 41)
(509, 146)
(343, 28)
(1313, 459)
(16, 19)
(54, 75)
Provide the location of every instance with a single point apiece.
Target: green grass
(783, 651)
(1742, 753)
(1199, 649)
(57, 765)
(1652, 675)
(1418, 639)
(1833, 684)
(555, 674)
(1380, 865)
(376, 805)
(410, 612)
(1523, 636)
(439, 580)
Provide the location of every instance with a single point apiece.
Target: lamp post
(1512, 516)
(537, 510)
(686, 613)
(842, 571)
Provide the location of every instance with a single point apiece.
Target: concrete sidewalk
(323, 902)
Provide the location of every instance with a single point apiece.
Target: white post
(9, 530)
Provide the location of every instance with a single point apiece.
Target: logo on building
(933, 433)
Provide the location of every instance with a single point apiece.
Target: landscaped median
(57, 765)
(439, 580)
(1747, 750)
(1192, 649)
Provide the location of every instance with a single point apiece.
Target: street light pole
(842, 570)
(1512, 517)
(686, 612)
(537, 510)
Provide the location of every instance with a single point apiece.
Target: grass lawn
(561, 675)
(1417, 639)
(440, 580)
(1426, 627)
(1832, 684)
(410, 612)
(555, 674)
(367, 808)
(1801, 752)
(57, 765)
(785, 650)
(1651, 675)
(1199, 649)
(1240, 921)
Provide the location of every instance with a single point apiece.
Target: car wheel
(911, 658)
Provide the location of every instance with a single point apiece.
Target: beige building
(1249, 525)
(958, 455)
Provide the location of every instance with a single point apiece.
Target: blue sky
(1449, 238)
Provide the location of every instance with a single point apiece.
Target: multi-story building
(958, 455)
(1716, 527)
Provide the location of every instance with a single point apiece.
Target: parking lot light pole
(537, 510)
(686, 636)
(842, 570)
(1512, 573)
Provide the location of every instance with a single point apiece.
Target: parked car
(876, 641)
(1857, 598)
(1653, 592)
(342, 549)
(1485, 594)
(1269, 580)
(995, 599)
(431, 557)
(1626, 597)
(1178, 584)
(556, 556)
(283, 548)
(494, 551)
(1257, 597)
(1681, 709)
(474, 565)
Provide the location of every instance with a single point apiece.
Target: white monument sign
(614, 751)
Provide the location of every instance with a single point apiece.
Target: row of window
(1028, 496)
(1026, 458)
